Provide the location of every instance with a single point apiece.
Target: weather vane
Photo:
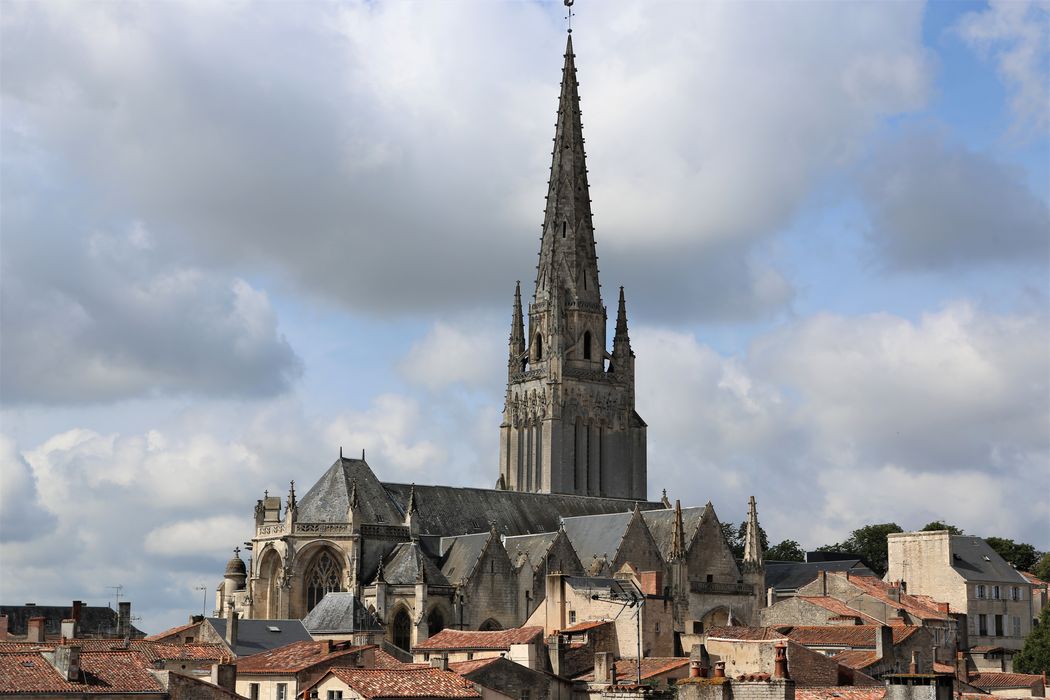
(568, 4)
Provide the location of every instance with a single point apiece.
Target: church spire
(567, 250)
(753, 538)
(517, 334)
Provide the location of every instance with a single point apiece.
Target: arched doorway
(401, 630)
(490, 625)
(323, 576)
(268, 589)
(435, 622)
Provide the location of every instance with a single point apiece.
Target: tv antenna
(118, 589)
(204, 602)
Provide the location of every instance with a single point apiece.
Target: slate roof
(661, 525)
(461, 554)
(254, 636)
(293, 658)
(108, 672)
(450, 639)
(406, 562)
(451, 509)
(535, 546)
(340, 613)
(328, 501)
(597, 536)
(792, 575)
(95, 620)
(405, 683)
(604, 586)
(975, 560)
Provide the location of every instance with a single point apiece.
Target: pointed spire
(353, 495)
(621, 340)
(568, 233)
(291, 495)
(678, 533)
(517, 334)
(411, 507)
(752, 538)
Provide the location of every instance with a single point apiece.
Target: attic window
(986, 558)
(273, 628)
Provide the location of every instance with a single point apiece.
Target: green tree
(941, 525)
(736, 537)
(869, 543)
(1042, 567)
(1020, 555)
(1034, 657)
(788, 550)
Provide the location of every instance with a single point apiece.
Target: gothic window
(402, 630)
(490, 625)
(587, 345)
(324, 577)
(539, 347)
(435, 622)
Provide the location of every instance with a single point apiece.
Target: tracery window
(325, 577)
(402, 630)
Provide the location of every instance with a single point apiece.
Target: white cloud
(201, 536)
(1017, 34)
(456, 354)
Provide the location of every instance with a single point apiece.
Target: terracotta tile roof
(292, 658)
(385, 659)
(101, 672)
(152, 651)
(406, 683)
(450, 639)
(756, 634)
(465, 667)
(1003, 680)
(877, 588)
(1032, 578)
(627, 669)
(939, 667)
(985, 649)
(839, 608)
(856, 658)
(588, 625)
(172, 632)
(853, 636)
(845, 692)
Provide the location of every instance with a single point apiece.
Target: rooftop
(406, 683)
(449, 639)
(295, 657)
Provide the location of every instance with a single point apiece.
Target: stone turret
(753, 567)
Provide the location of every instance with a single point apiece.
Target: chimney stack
(603, 668)
(780, 662)
(231, 627)
(439, 661)
(720, 670)
(35, 630)
(823, 576)
(225, 676)
(884, 643)
(961, 673)
(67, 661)
(78, 609)
(69, 629)
(556, 651)
(3, 628)
(124, 619)
(913, 666)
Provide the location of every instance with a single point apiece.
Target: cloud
(22, 516)
(935, 205)
(1017, 34)
(453, 354)
(118, 321)
(362, 164)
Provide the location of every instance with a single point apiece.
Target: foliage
(869, 543)
(1020, 555)
(788, 550)
(1042, 567)
(1034, 657)
(941, 525)
(736, 538)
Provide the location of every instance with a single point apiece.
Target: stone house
(282, 673)
(971, 577)
(513, 679)
(523, 645)
(342, 683)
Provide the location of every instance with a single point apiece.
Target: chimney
(894, 592)
(439, 661)
(884, 643)
(652, 582)
(770, 596)
(933, 654)
(603, 668)
(35, 630)
(225, 676)
(720, 670)
(78, 608)
(556, 651)
(961, 673)
(124, 619)
(823, 577)
(555, 603)
(231, 627)
(69, 629)
(3, 628)
(780, 662)
(67, 661)
(913, 666)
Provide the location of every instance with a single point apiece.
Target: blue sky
(236, 238)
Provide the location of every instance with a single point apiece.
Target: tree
(941, 525)
(869, 543)
(1034, 657)
(1042, 567)
(736, 537)
(788, 550)
(1020, 555)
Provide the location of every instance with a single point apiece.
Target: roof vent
(273, 628)
(986, 558)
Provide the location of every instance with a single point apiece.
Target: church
(571, 495)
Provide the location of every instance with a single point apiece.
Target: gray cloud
(934, 205)
(372, 155)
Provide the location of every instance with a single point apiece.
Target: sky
(236, 237)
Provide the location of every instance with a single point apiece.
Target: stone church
(570, 497)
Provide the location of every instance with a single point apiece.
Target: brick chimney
(603, 667)
(124, 619)
(652, 582)
(67, 661)
(894, 591)
(884, 644)
(77, 611)
(35, 630)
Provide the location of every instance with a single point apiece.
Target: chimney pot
(720, 669)
(780, 662)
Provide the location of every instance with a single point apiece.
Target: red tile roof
(405, 683)
(1032, 578)
(856, 658)
(841, 692)
(922, 608)
(588, 625)
(172, 632)
(450, 639)
(987, 680)
(839, 608)
(939, 667)
(101, 672)
(627, 669)
(386, 660)
(465, 667)
(755, 634)
(853, 636)
(294, 657)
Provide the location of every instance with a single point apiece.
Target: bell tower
(569, 424)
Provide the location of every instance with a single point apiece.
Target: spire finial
(569, 13)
